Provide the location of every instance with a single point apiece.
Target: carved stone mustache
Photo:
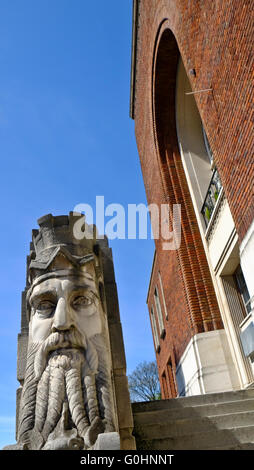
(57, 340)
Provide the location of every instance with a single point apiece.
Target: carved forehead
(61, 286)
(64, 281)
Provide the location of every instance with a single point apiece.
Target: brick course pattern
(215, 39)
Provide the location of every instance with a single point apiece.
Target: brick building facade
(191, 98)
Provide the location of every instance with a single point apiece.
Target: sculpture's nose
(62, 318)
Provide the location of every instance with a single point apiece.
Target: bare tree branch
(144, 382)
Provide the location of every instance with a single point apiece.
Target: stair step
(245, 446)
(195, 400)
(217, 409)
(185, 427)
(233, 438)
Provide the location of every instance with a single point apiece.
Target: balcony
(211, 197)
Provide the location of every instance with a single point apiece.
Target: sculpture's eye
(82, 301)
(45, 307)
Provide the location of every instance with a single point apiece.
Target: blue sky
(65, 137)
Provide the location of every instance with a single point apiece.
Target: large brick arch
(203, 311)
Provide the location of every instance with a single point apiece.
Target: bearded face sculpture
(67, 398)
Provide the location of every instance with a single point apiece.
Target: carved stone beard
(67, 387)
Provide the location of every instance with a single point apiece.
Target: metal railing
(211, 197)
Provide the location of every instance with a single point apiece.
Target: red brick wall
(177, 327)
(214, 38)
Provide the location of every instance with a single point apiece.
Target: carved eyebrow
(81, 286)
(43, 293)
(86, 288)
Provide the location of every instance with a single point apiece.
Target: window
(207, 146)
(155, 332)
(164, 387)
(214, 187)
(171, 377)
(159, 312)
(163, 297)
(242, 290)
(168, 382)
(195, 149)
(211, 197)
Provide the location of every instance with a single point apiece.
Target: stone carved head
(66, 399)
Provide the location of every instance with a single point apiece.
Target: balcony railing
(212, 195)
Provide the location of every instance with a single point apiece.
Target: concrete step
(195, 400)
(233, 438)
(245, 446)
(217, 409)
(214, 421)
(184, 427)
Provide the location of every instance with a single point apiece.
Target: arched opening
(165, 74)
(189, 178)
(204, 313)
(214, 218)
(195, 149)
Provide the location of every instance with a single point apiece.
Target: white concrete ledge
(206, 366)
